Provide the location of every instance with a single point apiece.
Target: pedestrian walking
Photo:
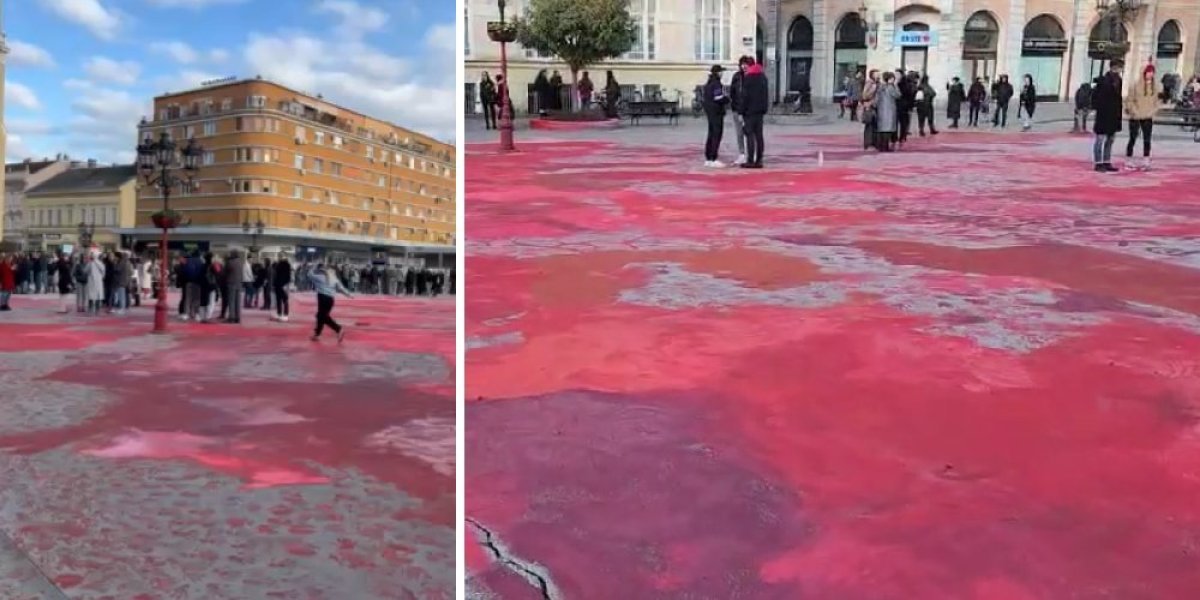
(715, 102)
(327, 285)
(1106, 100)
(925, 113)
(1142, 103)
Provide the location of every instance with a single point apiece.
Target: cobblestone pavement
(227, 461)
(966, 370)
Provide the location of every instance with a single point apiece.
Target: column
(949, 48)
(823, 36)
(771, 52)
(1080, 71)
(1010, 49)
(1146, 47)
(884, 54)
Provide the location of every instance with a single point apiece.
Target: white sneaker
(284, 318)
(708, 163)
(183, 317)
(1130, 165)
(741, 159)
(1145, 166)
(718, 164)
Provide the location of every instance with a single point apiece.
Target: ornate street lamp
(86, 231)
(504, 33)
(254, 231)
(160, 163)
(1116, 12)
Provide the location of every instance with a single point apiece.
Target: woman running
(327, 285)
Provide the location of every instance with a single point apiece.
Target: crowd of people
(212, 287)
(549, 91)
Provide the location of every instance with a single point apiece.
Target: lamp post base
(506, 136)
(164, 283)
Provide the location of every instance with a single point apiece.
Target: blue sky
(81, 73)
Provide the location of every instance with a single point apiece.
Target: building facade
(319, 178)
(3, 127)
(813, 44)
(92, 203)
(19, 178)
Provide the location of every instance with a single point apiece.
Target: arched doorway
(799, 54)
(981, 43)
(849, 48)
(1169, 47)
(915, 57)
(1106, 33)
(1043, 45)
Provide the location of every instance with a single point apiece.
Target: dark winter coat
(908, 95)
(1004, 93)
(737, 94)
(757, 97)
(1107, 102)
(66, 279)
(977, 94)
(715, 99)
(1029, 97)
(487, 92)
(954, 100)
(1083, 97)
(283, 273)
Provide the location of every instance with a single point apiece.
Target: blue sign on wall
(916, 38)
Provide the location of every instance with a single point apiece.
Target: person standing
(1141, 104)
(715, 102)
(1027, 102)
(976, 100)
(907, 86)
(612, 95)
(1106, 100)
(855, 94)
(925, 114)
(541, 90)
(66, 282)
(95, 283)
(757, 102)
(1083, 105)
(737, 96)
(1004, 93)
(80, 275)
(487, 97)
(8, 281)
(869, 114)
(238, 273)
(955, 96)
(887, 113)
(327, 285)
(585, 87)
(281, 279)
(556, 84)
(41, 270)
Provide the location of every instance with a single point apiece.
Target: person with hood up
(327, 285)
(612, 95)
(541, 89)
(754, 110)
(715, 102)
(977, 99)
(1004, 94)
(955, 96)
(1083, 106)
(1106, 100)
(1027, 102)
(1142, 103)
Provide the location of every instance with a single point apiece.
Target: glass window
(298, 161)
(712, 30)
(644, 13)
(210, 128)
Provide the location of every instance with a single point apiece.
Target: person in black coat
(756, 102)
(976, 96)
(1028, 101)
(66, 281)
(907, 85)
(1083, 106)
(541, 88)
(955, 96)
(410, 281)
(715, 101)
(1004, 93)
(1106, 100)
(736, 99)
(280, 280)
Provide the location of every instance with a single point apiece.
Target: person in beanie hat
(1106, 100)
(715, 101)
(1141, 104)
(754, 109)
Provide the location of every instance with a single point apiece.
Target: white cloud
(185, 80)
(356, 18)
(419, 96)
(193, 4)
(92, 14)
(24, 54)
(105, 123)
(21, 95)
(16, 149)
(218, 55)
(106, 70)
(180, 52)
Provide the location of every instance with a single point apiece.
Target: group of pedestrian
(388, 280)
(109, 282)
(889, 101)
(549, 91)
(749, 99)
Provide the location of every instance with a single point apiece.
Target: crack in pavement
(12, 558)
(532, 572)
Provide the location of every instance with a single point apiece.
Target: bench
(652, 108)
(1188, 119)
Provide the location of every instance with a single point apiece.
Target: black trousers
(905, 119)
(925, 118)
(182, 300)
(754, 138)
(489, 115)
(1146, 127)
(973, 115)
(716, 130)
(266, 294)
(282, 307)
(1001, 116)
(324, 312)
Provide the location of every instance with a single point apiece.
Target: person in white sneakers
(281, 280)
(736, 96)
(715, 101)
(1141, 104)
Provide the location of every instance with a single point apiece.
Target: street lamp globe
(191, 156)
(166, 150)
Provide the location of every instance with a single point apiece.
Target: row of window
(70, 216)
(320, 138)
(322, 195)
(713, 28)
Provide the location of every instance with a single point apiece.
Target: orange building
(322, 180)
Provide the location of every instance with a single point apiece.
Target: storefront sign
(1170, 48)
(1044, 45)
(915, 38)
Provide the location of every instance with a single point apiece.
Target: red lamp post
(158, 162)
(504, 35)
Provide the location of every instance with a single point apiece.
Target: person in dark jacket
(1003, 94)
(925, 96)
(268, 287)
(612, 95)
(1083, 106)
(541, 90)
(907, 85)
(410, 281)
(956, 94)
(556, 84)
(66, 282)
(715, 102)
(487, 97)
(976, 96)
(1027, 102)
(281, 279)
(1107, 101)
(736, 99)
(754, 110)
(235, 271)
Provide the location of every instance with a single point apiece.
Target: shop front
(1043, 48)
(981, 43)
(849, 48)
(914, 40)
(1169, 48)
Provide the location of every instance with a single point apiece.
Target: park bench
(652, 109)
(1188, 119)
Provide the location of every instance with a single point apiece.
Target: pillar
(950, 42)
(1012, 36)
(823, 36)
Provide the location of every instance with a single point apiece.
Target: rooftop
(97, 179)
(28, 166)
